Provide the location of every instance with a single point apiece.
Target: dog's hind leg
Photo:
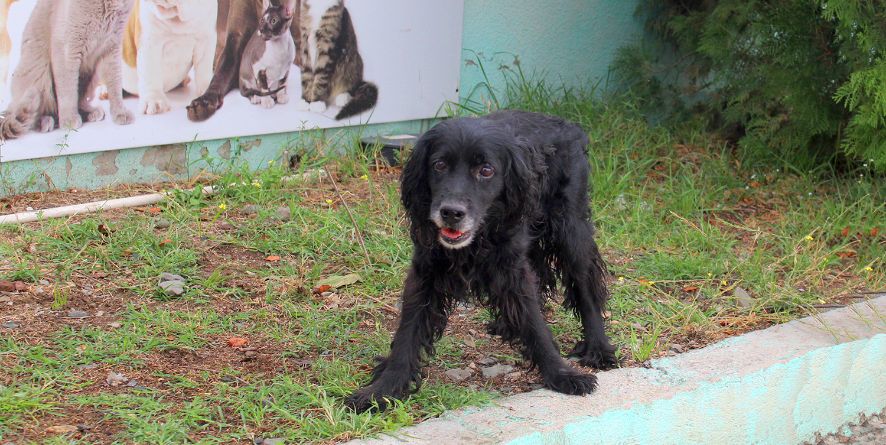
(513, 294)
(583, 272)
(422, 321)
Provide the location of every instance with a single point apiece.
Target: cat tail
(363, 97)
(20, 117)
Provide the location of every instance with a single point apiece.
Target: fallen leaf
(165, 242)
(154, 210)
(104, 230)
(875, 231)
(845, 231)
(690, 288)
(754, 184)
(99, 274)
(322, 288)
(62, 429)
(273, 258)
(846, 254)
(7, 286)
(237, 342)
(337, 281)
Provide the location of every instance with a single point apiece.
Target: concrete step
(781, 385)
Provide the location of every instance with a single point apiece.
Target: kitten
(66, 45)
(164, 39)
(268, 57)
(332, 69)
(240, 19)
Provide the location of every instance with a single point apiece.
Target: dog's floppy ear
(415, 193)
(521, 180)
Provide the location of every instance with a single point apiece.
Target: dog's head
(465, 175)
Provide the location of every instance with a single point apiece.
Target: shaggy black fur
(499, 209)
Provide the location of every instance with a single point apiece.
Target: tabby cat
(66, 44)
(331, 66)
(268, 57)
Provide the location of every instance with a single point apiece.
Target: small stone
(132, 383)
(224, 225)
(29, 208)
(173, 288)
(9, 325)
(458, 374)
(249, 355)
(677, 348)
(62, 429)
(470, 342)
(514, 375)
(283, 214)
(496, 371)
(250, 209)
(326, 294)
(274, 441)
(88, 366)
(161, 223)
(99, 313)
(167, 277)
(116, 379)
(743, 297)
(77, 313)
(44, 282)
(115, 324)
(487, 361)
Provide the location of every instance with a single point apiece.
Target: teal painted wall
(570, 41)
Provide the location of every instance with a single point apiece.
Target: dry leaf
(154, 210)
(690, 288)
(273, 258)
(7, 286)
(62, 429)
(337, 281)
(846, 254)
(165, 242)
(237, 342)
(875, 231)
(322, 288)
(845, 231)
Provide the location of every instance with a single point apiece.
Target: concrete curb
(781, 385)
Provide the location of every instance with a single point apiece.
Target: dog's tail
(21, 116)
(363, 97)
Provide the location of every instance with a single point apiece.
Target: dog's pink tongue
(451, 233)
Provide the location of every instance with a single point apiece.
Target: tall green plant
(789, 76)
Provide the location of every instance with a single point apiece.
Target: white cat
(164, 40)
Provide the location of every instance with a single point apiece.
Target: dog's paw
(595, 357)
(367, 399)
(572, 382)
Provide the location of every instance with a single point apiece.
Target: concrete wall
(571, 41)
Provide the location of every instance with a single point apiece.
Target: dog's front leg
(514, 293)
(422, 321)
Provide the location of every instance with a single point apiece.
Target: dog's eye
(440, 166)
(486, 171)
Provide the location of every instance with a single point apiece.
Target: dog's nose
(452, 214)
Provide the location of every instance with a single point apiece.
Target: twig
(351, 215)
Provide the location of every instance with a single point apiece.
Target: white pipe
(56, 212)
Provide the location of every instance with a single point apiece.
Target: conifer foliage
(794, 76)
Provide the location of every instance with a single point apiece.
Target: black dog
(499, 209)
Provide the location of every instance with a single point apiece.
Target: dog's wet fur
(499, 209)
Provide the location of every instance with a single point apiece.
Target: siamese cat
(242, 22)
(268, 57)
(332, 69)
(67, 45)
(163, 40)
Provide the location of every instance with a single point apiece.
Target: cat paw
(155, 105)
(342, 99)
(94, 114)
(47, 124)
(71, 122)
(303, 105)
(317, 107)
(123, 117)
(255, 100)
(282, 98)
(204, 107)
(267, 102)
